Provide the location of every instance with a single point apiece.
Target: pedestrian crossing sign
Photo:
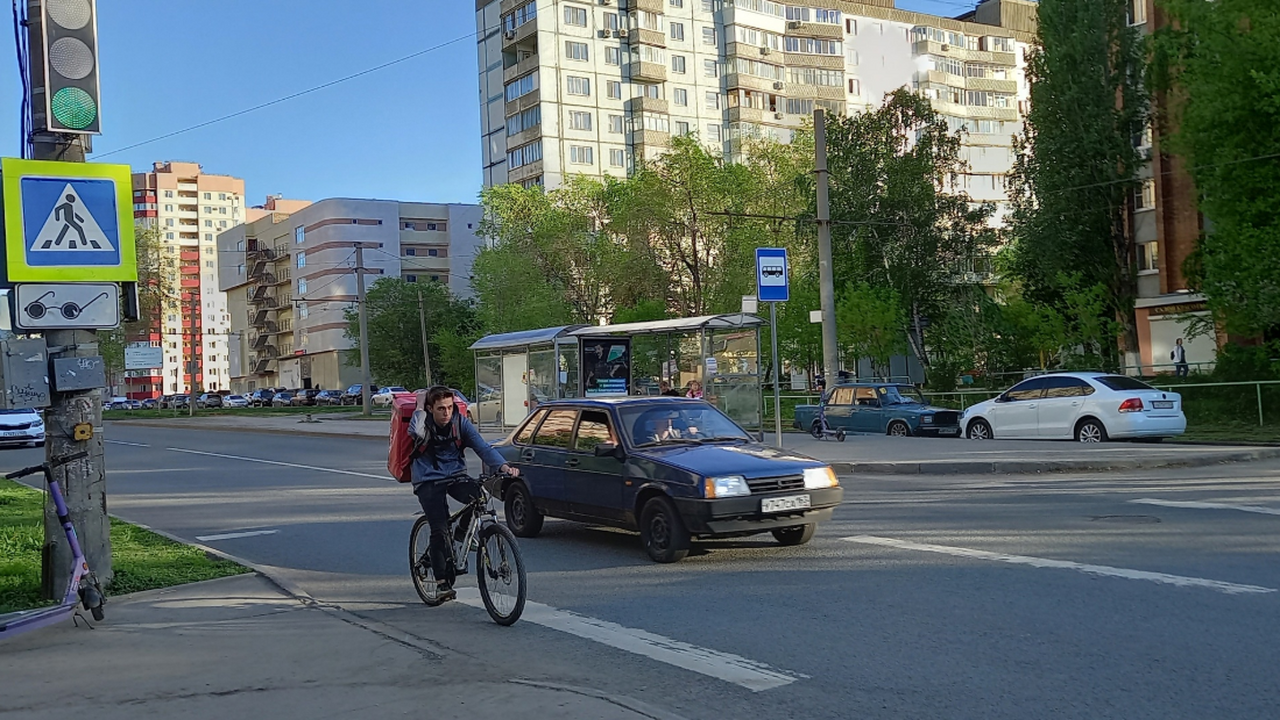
(68, 222)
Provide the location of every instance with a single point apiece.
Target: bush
(1241, 363)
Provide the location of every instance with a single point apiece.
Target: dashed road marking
(1195, 505)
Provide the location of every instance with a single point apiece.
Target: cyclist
(443, 435)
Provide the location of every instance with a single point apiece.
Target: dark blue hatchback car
(672, 468)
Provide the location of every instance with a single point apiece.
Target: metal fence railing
(1204, 403)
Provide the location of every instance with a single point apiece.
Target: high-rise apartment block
(188, 208)
(290, 275)
(591, 86)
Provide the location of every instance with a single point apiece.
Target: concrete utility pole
(83, 482)
(826, 280)
(363, 311)
(426, 353)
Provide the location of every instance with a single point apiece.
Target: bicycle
(498, 560)
(83, 587)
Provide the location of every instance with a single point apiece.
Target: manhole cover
(1132, 519)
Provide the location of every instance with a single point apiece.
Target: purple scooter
(83, 589)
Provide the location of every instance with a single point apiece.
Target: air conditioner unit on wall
(765, 51)
(777, 86)
(778, 116)
(793, 24)
(603, 33)
(606, 2)
(510, 34)
(619, 33)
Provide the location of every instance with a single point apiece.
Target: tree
(151, 298)
(1077, 167)
(513, 294)
(395, 334)
(872, 324)
(899, 221)
(1217, 62)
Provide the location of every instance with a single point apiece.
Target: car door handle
(571, 462)
(1031, 405)
(527, 455)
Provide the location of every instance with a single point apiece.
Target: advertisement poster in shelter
(606, 366)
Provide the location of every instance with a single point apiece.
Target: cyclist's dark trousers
(434, 497)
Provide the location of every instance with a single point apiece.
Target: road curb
(1010, 467)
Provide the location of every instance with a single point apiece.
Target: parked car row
(1082, 406)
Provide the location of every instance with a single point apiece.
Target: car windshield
(678, 422)
(903, 395)
(1120, 382)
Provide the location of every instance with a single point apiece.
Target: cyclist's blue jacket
(445, 458)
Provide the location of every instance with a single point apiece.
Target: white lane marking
(730, 668)
(1262, 509)
(1105, 570)
(130, 444)
(235, 535)
(283, 464)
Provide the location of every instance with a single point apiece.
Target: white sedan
(21, 427)
(385, 396)
(1088, 407)
(236, 401)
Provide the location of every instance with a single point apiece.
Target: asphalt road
(929, 597)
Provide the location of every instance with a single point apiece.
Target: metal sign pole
(777, 391)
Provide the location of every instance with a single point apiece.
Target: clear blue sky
(408, 132)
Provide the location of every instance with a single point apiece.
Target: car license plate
(784, 504)
(949, 431)
(1162, 404)
(12, 433)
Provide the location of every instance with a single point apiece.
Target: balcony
(648, 72)
(657, 7)
(751, 82)
(1009, 87)
(189, 255)
(259, 319)
(748, 114)
(647, 106)
(815, 30)
(263, 253)
(526, 65)
(282, 279)
(826, 62)
(193, 283)
(649, 139)
(189, 269)
(645, 36)
(524, 32)
(425, 262)
(524, 102)
(524, 172)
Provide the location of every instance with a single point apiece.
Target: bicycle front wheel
(424, 579)
(500, 573)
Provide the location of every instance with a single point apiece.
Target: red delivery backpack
(403, 448)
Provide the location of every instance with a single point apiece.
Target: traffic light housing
(69, 30)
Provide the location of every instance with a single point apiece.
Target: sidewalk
(869, 454)
(238, 647)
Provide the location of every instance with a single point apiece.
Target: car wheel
(897, 428)
(662, 531)
(980, 430)
(796, 535)
(816, 429)
(522, 517)
(1090, 431)
(840, 435)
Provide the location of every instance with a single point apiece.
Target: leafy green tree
(1077, 166)
(151, 299)
(872, 324)
(1217, 62)
(513, 294)
(899, 221)
(395, 332)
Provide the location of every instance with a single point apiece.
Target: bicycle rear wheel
(500, 573)
(424, 579)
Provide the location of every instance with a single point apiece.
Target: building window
(524, 155)
(712, 100)
(168, 208)
(713, 133)
(677, 64)
(811, 46)
(618, 158)
(433, 253)
(611, 21)
(851, 26)
(208, 251)
(612, 56)
(855, 86)
(302, 259)
(709, 36)
(302, 286)
(168, 222)
(682, 127)
(168, 236)
(521, 86)
(1145, 197)
(677, 3)
(299, 234)
(221, 224)
(615, 90)
(580, 120)
(208, 237)
(681, 97)
(1149, 257)
(168, 193)
(708, 5)
(581, 154)
(208, 196)
(677, 31)
(652, 91)
(575, 16)
(411, 278)
(710, 69)
(518, 123)
(575, 50)
(578, 86)
(615, 124)
(411, 252)
(208, 263)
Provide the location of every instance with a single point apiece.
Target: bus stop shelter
(516, 371)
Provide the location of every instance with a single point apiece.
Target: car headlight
(819, 478)
(926, 419)
(728, 486)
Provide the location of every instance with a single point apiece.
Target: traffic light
(70, 44)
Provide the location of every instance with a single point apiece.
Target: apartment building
(189, 208)
(1165, 225)
(290, 275)
(590, 86)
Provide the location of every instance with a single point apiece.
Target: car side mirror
(1002, 397)
(609, 450)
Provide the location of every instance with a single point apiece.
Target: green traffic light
(74, 108)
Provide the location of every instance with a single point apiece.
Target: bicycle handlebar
(57, 462)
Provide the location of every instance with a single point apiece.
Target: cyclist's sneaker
(445, 591)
